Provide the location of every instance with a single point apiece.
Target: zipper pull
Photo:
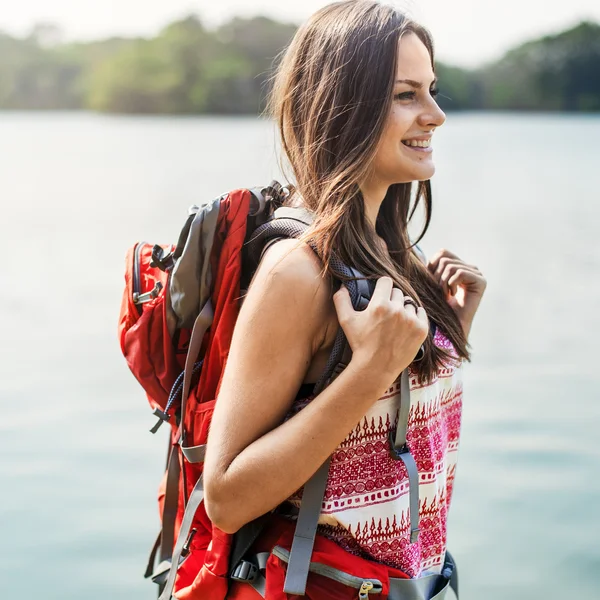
(186, 547)
(365, 588)
(148, 296)
(163, 417)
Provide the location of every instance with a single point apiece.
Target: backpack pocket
(334, 574)
(143, 330)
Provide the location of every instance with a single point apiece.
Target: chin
(418, 173)
(424, 174)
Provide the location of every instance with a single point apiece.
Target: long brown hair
(331, 96)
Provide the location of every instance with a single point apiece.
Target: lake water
(516, 195)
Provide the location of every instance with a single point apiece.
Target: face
(405, 152)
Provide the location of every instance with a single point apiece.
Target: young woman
(354, 97)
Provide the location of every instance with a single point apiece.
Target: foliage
(189, 69)
(559, 72)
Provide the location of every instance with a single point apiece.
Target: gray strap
(259, 583)
(170, 505)
(404, 411)
(306, 529)
(171, 496)
(421, 588)
(191, 281)
(314, 490)
(297, 213)
(194, 454)
(413, 482)
(194, 502)
(261, 560)
(202, 323)
(152, 557)
(401, 451)
(450, 564)
(334, 574)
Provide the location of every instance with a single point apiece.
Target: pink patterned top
(366, 504)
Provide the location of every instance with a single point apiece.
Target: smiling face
(404, 153)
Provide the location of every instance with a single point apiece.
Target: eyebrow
(416, 84)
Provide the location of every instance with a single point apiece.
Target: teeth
(417, 143)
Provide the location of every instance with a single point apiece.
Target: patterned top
(366, 504)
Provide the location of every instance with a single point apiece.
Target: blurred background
(116, 116)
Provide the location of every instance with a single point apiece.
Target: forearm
(277, 464)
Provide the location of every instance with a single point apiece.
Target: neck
(373, 194)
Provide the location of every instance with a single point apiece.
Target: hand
(386, 336)
(463, 285)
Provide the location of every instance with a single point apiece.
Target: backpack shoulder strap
(281, 223)
(295, 213)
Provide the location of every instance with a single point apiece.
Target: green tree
(248, 53)
(558, 72)
(189, 69)
(162, 75)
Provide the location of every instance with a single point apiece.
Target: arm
(254, 461)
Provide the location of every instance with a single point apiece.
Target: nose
(433, 116)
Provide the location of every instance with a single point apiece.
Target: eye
(405, 96)
(411, 95)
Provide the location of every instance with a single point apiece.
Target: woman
(354, 97)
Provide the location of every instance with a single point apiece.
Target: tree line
(190, 69)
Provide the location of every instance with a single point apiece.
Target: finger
(442, 264)
(433, 262)
(397, 296)
(464, 277)
(411, 308)
(422, 315)
(343, 304)
(383, 291)
(451, 269)
(445, 262)
(443, 257)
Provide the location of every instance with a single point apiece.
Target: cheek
(400, 123)
(396, 130)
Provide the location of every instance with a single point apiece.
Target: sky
(466, 32)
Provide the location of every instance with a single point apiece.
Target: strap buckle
(397, 451)
(414, 535)
(162, 259)
(245, 571)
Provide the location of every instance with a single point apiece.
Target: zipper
(138, 298)
(136, 276)
(364, 586)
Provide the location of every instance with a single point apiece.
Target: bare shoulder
(290, 299)
(290, 270)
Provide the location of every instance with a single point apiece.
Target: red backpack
(178, 313)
